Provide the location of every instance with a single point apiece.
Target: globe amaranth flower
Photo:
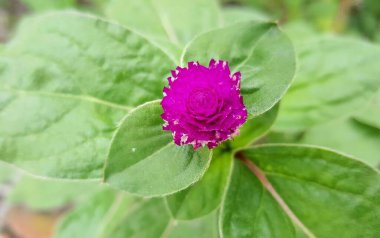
(202, 105)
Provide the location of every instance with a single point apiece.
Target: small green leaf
(144, 160)
(254, 128)
(349, 136)
(66, 80)
(205, 196)
(316, 186)
(330, 82)
(262, 53)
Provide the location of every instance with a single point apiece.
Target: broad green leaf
(262, 53)
(331, 194)
(101, 60)
(42, 194)
(330, 82)
(144, 160)
(62, 96)
(371, 114)
(55, 136)
(249, 210)
(177, 21)
(232, 15)
(97, 217)
(348, 136)
(205, 196)
(254, 128)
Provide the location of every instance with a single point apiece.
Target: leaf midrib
(285, 176)
(269, 187)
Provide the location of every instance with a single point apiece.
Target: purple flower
(203, 105)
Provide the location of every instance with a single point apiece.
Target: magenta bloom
(203, 105)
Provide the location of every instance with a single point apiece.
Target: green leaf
(248, 210)
(97, 217)
(42, 194)
(144, 160)
(205, 196)
(349, 136)
(371, 114)
(262, 53)
(55, 136)
(110, 60)
(177, 21)
(254, 128)
(117, 215)
(330, 82)
(62, 95)
(315, 185)
(150, 220)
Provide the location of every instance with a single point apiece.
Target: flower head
(202, 105)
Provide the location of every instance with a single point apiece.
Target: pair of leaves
(143, 159)
(206, 195)
(267, 44)
(73, 108)
(318, 187)
(327, 192)
(315, 186)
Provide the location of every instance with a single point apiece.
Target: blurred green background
(355, 17)
(30, 207)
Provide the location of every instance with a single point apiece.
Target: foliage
(80, 102)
